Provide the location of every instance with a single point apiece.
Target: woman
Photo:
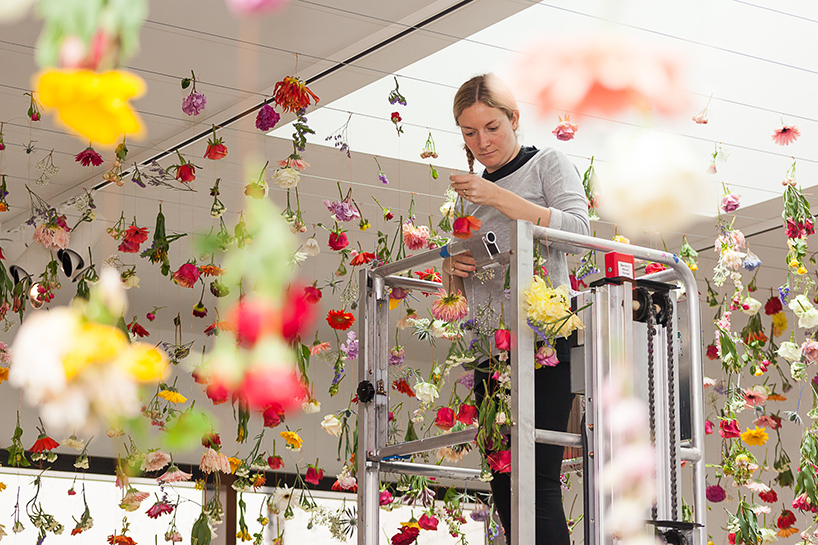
(543, 187)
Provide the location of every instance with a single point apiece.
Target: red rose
(314, 475)
(217, 393)
(467, 414)
(445, 418)
(708, 427)
(338, 241)
(215, 151)
(406, 536)
(502, 339)
(312, 294)
(187, 275)
(272, 416)
(186, 173)
(275, 462)
(712, 352)
(729, 429)
(773, 306)
(462, 227)
(500, 462)
(427, 523)
(396, 118)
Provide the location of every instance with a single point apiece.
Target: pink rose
(729, 203)
(445, 419)
(729, 429)
(502, 339)
(187, 275)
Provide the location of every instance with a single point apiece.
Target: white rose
(311, 407)
(789, 351)
(800, 305)
(753, 306)
(438, 328)
(809, 319)
(286, 177)
(331, 425)
(426, 392)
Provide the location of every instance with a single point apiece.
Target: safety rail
(374, 455)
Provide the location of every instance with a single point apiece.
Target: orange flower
(362, 258)
(340, 320)
(776, 397)
(121, 540)
(4, 374)
(403, 387)
(292, 94)
(787, 532)
(463, 227)
(211, 270)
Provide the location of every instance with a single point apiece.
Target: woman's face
(489, 134)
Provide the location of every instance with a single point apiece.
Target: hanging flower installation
(292, 94)
(786, 135)
(215, 147)
(51, 229)
(194, 102)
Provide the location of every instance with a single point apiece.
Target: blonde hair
(486, 89)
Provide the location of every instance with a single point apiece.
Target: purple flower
(382, 178)
(467, 380)
(396, 355)
(783, 291)
(715, 493)
(350, 349)
(194, 103)
(751, 262)
(267, 118)
(481, 513)
(342, 210)
(730, 203)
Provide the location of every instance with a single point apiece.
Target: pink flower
(267, 118)
(427, 522)
(88, 157)
(502, 339)
(133, 499)
(601, 75)
(802, 503)
(213, 461)
(729, 203)
(158, 509)
(729, 429)
(786, 135)
(385, 497)
(187, 275)
(715, 493)
(810, 350)
(194, 103)
(754, 397)
(155, 460)
(314, 475)
(500, 462)
(300, 164)
(52, 238)
(318, 348)
(565, 129)
(445, 418)
(708, 427)
(768, 421)
(546, 356)
(450, 307)
(250, 7)
(415, 238)
(173, 475)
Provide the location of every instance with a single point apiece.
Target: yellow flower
(787, 532)
(244, 535)
(794, 264)
(173, 396)
(144, 363)
(4, 374)
(693, 267)
(621, 239)
(95, 105)
(93, 343)
(801, 270)
(294, 442)
(234, 463)
(779, 324)
(411, 524)
(200, 485)
(755, 437)
(2, 486)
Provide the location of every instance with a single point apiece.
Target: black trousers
(553, 400)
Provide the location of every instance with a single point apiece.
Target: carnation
(267, 118)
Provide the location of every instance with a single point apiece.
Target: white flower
(447, 209)
(758, 487)
(281, 497)
(110, 288)
(286, 177)
(438, 328)
(807, 314)
(500, 419)
(753, 306)
(789, 351)
(426, 392)
(299, 256)
(732, 259)
(311, 407)
(312, 247)
(709, 382)
(768, 535)
(131, 282)
(331, 425)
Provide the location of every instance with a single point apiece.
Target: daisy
(340, 320)
(786, 135)
(755, 437)
(173, 475)
(294, 442)
(172, 395)
(450, 306)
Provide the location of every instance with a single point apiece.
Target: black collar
(525, 154)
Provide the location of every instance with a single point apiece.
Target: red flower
(793, 230)
(712, 352)
(133, 237)
(211, 440)
(314, 475)
(462, 227)
(272, 384)
(187, 275)
(427, 522)
(88, 157)
(253, 319)
(275, 462)
(396, 118)
(467, 414)
(406, 536)
(215, 151)
(786, 135)
(139, 331)
(773, 306)
(768, 497)
(296, 315)
(44, 442)
(502, 339)
(312, 294)
(362, 259)
(429, 274)
(651, 268)
(708, 427)
(445, 418)
(272, 416)
(350, 488)
(500, 462)
(729, 429)
(292, 94)
(403, 387)
(217, 393)
(340, 320)
(786, 519)
(338, 241)
(186, 173)
(120, 540)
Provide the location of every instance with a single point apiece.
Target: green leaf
(200, 534)
(185, 83)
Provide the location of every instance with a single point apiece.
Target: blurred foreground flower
(601, 75)
(95, 105)
(87, 374)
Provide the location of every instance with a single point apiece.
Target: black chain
(651, 320)
(671, 396)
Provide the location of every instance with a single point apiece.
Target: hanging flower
(286, 177)
(172, 395)
(195, 102)
(450, 307)
(137, 330)
(773, 306)
(294, 442)
(715, 493)
(701, 117)
(463, 226)
(88, 157)
(267, 118)
(755, 437)
(500, 462)
(338, 240)
(395, 118)
(406, 536)
(395, 97)
(314, 475)
(215, 147)
(414, 237)
(786, 135)
(133, 499)
(174, 475)
(292, 94)
(185, 171)
(362, 258)
(275, 462)
(728, 429)
(213, 461)
(158, 509)
(199, 310)
(33, 108)
(768, 497)
(402, 386)
(95, 105)
(445, 418)
(133, 237)
(43, 443)
(332, 425)
(730, 203)
(467, 414)
(340, 320)
(565, 130)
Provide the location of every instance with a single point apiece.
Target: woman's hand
(475, 189)
(459, 265)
